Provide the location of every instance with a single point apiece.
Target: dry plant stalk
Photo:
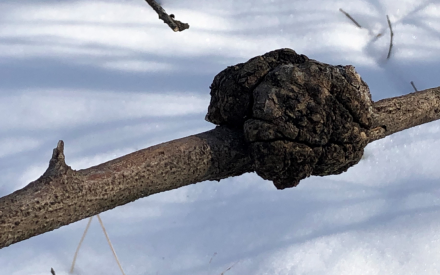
(110, 244)
(108, 241)
(316, 116)
(79, 245)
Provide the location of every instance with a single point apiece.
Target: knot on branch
(57, 164)
(300, 117)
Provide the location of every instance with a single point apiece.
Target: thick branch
(175, 25)
(399, 113)
(62, 195)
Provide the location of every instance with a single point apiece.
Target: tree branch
(400, 113)
(175, 25)
(62, 195)
(282, 115)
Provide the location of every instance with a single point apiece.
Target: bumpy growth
(300, 117)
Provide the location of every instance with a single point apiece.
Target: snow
(109, 78)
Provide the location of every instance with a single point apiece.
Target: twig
(79, 245)
(52, 271)
(229, 268)
(175, 25)
(357, 24)
(215, 253)
(414, 86)
(110, 244)
(391, 38)
(351, 18)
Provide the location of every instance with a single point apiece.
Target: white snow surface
(109, 78)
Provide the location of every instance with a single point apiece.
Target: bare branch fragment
(175, 25)
(229, 268)
(414, 86)
(391, 37)
(351, 18)
(396, 114)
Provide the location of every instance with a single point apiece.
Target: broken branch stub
(300, 117)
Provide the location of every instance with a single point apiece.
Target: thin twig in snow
(229, 268)
(414, 86)
(215, 253)
(351, 18)
(391, 37)
(357, 24)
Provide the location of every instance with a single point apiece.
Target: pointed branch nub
(58, 153)
(57, 164)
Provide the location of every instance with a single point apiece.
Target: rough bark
(396, 114)
(301, 117)
(280, 114)
(62, 195)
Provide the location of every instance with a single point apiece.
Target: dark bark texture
(281, 114)
(301, 117)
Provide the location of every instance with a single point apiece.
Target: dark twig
(351, 18)
(229, 268)
(215, 253)
(359, 26)
(391, 37)
(175, 25)
(414, 86)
